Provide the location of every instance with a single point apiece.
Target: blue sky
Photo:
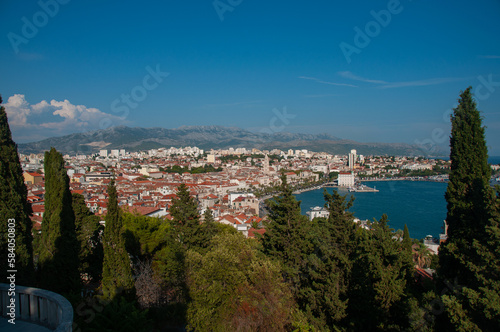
(296, 66)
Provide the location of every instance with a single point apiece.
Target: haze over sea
(418, 204)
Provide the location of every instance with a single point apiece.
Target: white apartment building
(318, 212)
(352, 159)
(346, 179)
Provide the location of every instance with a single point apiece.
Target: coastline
(329, 185)
(300, 191)
(437, 179)
(419, 204)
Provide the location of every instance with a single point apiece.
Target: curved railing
(38, 306)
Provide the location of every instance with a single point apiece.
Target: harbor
(419, 204)
(300, 191)
(432, 178)
(361, 188)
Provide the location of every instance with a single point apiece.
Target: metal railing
(38, 306)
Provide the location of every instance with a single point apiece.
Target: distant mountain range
(209, 137)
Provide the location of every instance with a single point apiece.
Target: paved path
(5, 326)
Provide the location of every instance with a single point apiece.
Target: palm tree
(421, 256)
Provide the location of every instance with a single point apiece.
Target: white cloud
(18, 110)
(326, 82)
(57, 118)
(426, 82)
(389, 85)
(348, 74)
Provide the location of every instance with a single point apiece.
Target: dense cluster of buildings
(147, 185)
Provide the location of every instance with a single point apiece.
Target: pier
(363, 189)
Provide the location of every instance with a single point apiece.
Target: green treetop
(184, 208)
(285, 233)
(14, 205)
(381, 275)
(323, 296)
(469, 195)
(470, 258)
(59, 245)
(470, 172)
(88, 232)
(406, 239)
(192, 233)
(233, 288)
(208, 216)
(116, 270)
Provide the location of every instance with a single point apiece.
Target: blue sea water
(418, 204)
(495, 160)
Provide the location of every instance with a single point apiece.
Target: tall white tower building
(352, 159)
(266, 165)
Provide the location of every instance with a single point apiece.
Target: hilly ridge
(208, 137)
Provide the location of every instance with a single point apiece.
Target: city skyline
(373, 72)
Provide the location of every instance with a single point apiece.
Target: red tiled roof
(38, 208)
(422, 274)
(33, 199)
(252, 219)
(252, 232)
(34, 174)
(142, 210)
(231, 219)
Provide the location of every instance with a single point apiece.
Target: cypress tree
(14, 205)
(285, 236)
(408, 253)
(471, 255)
(406, 239)
(59, 246)
(291, 240)
(469, 195)
(184, 210)
(323, 295)
(208, 216)
(116, 271)
(340, 220)
(381, 276)
(88, 232)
